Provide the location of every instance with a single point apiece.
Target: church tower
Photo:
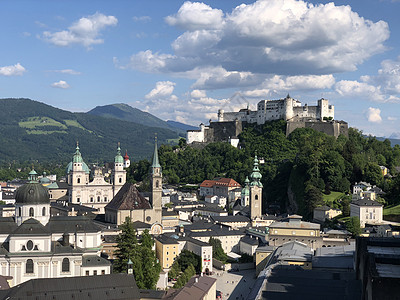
(255, 191)
(156, 185)
(245, 195)
(119, 174)
(127, 161)
(77, 176)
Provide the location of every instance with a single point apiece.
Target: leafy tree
(218, 251)
(146, 268)
(346, 207)
(353, 226)
(174, 271)
(187, 258)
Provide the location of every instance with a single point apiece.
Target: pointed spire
(118, 158)
(155, 163)
(77, 155)
(256, 175)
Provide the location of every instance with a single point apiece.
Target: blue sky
(183, 60)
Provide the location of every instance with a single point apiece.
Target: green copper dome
(77, 158)
(246, 190)
(118, 158)
(256, 175)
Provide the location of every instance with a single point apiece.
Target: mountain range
(34, 131)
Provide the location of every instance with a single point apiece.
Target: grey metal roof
(61, 224)
(7, 225)
(31, 227)
(248, 240)
(366, 202)
(113, 286)
(94, 260)
(235, 218)
(299, 224)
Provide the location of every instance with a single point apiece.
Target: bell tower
(255, 191)
(119, 174)
(156, 185)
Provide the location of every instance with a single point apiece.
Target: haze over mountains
(33, 131)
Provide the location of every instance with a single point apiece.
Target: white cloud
(61, 84)
(15, 70)
(283, 37)
(374, 115)
(350, 88)
(163, 89)
(85, 31)
(68, 71)
(198, 94)
(143, 19)
(392, 118)
(196, 15)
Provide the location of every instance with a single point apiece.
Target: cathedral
(96, 193)
(128, 202)
(35, 245)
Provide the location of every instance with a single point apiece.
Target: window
(103, 272)
(120, 180)
(31, 212)
(78, 180)
(29, 245)
(87, 273)
(98, 198)
(44, 211)
(65, 265)
(105, 199)
(157, 184)
(29, 266)
(19, 211)
(78, 200)
(95, 272)
(91, 199)
(256, 197)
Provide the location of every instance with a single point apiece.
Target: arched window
(65, 265)
(256, 197)
(44, 211)
(120, 180)
(29, 266)
(78, 180)
(31, 212)
(98, 198)
(157, 184)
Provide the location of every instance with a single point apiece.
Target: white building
(369, 212)
(34, 245)
(96, 193)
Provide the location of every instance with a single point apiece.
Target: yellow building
(167, 249)
(262, 257)
(294, 229)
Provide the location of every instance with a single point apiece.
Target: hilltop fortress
(230, 124)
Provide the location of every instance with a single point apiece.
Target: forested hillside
(297, 169)
(36, 132)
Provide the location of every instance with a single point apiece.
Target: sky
(183, 61)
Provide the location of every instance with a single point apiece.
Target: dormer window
(31, 212)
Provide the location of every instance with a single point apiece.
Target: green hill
(125, 112)
(34, 131)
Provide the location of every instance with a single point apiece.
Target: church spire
(118, 158)
(77, 155)
(155, 163)
(256, 175)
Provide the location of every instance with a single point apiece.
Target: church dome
(32, 193)
(118, 158)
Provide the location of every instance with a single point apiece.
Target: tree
(187, 258)
(218, 251)
(127, 245)
(353, 226)
(146, 267)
